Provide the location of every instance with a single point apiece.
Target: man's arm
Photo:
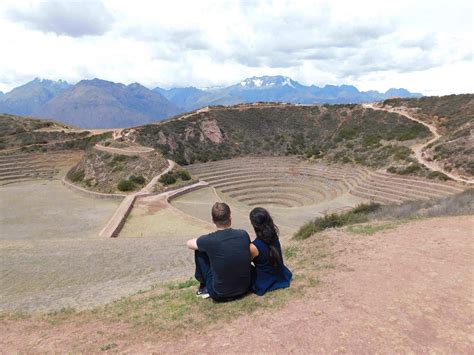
(192, 244)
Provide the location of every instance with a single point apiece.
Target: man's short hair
(221, 213)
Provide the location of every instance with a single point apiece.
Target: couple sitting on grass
(223, 258)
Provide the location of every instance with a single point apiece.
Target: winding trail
(419, 147)
(124, 151)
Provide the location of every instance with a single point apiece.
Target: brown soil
(404, 290)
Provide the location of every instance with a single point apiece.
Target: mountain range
(98, 103)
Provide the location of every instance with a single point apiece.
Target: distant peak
(268, 81)
(59, 84)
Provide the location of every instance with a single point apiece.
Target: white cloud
(70, 18)
(419, 45)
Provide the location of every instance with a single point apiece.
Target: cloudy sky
(425, 46)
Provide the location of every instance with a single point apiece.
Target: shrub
(125, 185)
(413, 168)
(438, 175)
(410, 133)
(366, 207)
(346, 133)
(402, 153)
(183, 175)
(77, 176)
(139, 180)
(168, 178)
(370, 140)
(118, 158)
(356, 215)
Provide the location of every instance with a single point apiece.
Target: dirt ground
(404, 290)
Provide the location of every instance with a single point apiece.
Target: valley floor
(405, 289)
(50, 259)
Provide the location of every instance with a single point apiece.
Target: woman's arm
(192, 244)
(253, 251)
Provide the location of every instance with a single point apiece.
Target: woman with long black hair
(269, 272)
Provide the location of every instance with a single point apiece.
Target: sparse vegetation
(76, 176)
(174, 176)
(453, 115)
(126, 185)
(291, 130)
(168, 179)
(137, 179)
(110, 173)
(459, 204)
(333, 220)
(438, 175)
(370, 229)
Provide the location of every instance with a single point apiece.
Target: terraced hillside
(343, 133)
(291, 182)
(19, 167)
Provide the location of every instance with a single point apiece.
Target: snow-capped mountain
(277, 89)
(265, 82)
(99, 103)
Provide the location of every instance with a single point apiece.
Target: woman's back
(268, 275)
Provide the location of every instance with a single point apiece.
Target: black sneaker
(202, 292)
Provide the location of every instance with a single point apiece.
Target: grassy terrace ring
(289, 182)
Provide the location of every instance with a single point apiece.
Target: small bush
(77, 176)
(413, 168)
(139, 180)
(125, 185)
(366, 207)
(371, 140)
(438, 175)
(346, 133)
(183, 175)
(118, 158)
(168, 178)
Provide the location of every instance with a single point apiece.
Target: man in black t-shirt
(222, 258)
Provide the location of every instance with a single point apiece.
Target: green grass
(174, 309)
(334, 220)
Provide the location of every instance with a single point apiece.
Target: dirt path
(419, 147)
(124, 151)
(406, 290)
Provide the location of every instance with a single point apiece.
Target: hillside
(31, 134)
(335, 133)
(275, 89)
(102, 104)
(453, 116)
(102, 171)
